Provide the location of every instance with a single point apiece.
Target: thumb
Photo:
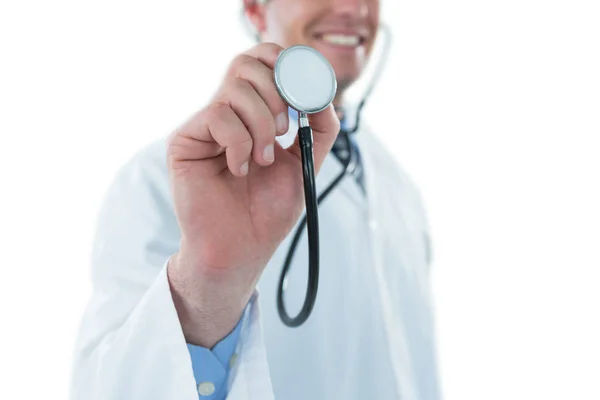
(325, 126)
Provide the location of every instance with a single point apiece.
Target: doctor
(192, 226)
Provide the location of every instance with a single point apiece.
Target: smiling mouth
(341, 39)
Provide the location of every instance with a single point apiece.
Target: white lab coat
(370, 336)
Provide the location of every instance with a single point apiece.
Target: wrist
(209, 302)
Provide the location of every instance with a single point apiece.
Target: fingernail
(281, 122)
(244, 169)
(269, 153)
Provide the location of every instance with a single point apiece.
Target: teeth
(342, 40)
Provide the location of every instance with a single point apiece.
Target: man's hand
(237, 193)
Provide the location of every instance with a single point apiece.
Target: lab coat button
(206, 388)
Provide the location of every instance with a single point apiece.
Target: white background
(492, 106)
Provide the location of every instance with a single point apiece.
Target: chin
(346, 75)
(347, 67)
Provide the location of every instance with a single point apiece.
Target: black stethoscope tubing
(310, 219)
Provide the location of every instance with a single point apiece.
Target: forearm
(209, 301)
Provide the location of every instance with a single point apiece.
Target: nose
(351, 8)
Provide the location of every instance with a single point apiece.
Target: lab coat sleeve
(131, 345)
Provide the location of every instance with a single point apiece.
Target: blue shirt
(211, 367)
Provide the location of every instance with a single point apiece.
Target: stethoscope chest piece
(305, 79)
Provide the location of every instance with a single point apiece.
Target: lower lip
(339, 47)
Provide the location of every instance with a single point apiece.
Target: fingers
(260, 76)
(256, 116)
(266, 53)
(243, 118)
(249, 89)
(229, 131)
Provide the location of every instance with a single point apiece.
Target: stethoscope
(306, 81)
